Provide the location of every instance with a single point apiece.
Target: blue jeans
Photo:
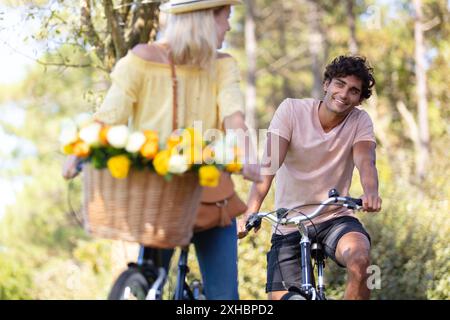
(217, 257)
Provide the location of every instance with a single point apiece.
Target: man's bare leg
(353, 251)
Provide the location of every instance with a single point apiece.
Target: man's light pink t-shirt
(315, 161)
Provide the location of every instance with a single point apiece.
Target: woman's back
(142, 89)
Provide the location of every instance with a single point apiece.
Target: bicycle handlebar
(277, 216)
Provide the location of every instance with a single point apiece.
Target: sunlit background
(44, 254)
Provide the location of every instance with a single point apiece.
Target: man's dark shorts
(283, 259)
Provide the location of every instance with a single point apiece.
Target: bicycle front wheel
(293, 296)
(130, 285)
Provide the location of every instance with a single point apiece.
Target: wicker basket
(143, 208)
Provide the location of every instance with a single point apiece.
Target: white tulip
(69, 132)
(178, 164)
(135, 141)
(118, 136)
(91, 134)
(83, 119)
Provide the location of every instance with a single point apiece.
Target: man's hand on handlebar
(242, 222)
(371, 202)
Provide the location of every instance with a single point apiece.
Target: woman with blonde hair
(141, 95)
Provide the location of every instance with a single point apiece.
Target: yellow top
(141, 95)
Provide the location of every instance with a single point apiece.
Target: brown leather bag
(221, 204)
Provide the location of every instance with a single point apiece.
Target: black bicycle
(309, 250)
(146, 278)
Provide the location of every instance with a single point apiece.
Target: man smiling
(313, 146)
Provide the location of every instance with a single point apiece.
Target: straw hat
(182, 6)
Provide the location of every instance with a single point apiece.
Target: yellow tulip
(119, 166)
(149, 149)
(81, 149)
(68, 149)
(234, 167)
(161, 162)
(209, 176)
(151, 135)
(173, 141)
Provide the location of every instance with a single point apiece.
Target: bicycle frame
(149, 260)
(152, 258)
(183, 269)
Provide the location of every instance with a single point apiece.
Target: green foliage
(15, 277)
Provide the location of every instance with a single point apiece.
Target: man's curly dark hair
(357, 66)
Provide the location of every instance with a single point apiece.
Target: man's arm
(364, 157)
(274, 155)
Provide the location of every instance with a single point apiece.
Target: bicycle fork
(306, 252)
(307, 280)
(308, 285)
(183, 269)
(320, 280)
(318, 255)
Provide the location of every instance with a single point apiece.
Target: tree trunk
(351, 20)
(115, 29)
(287, 92)
(422, 104)
(316, 48)
(127, 24)
(251, 53)
(87, 27)
(143, 25)
(411, 123)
